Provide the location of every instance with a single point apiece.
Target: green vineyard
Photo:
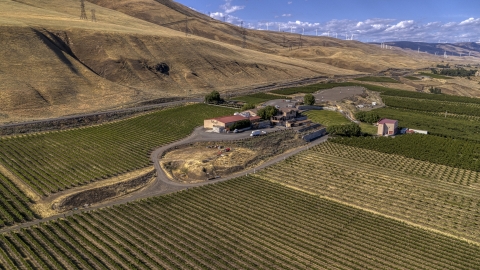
(14, 205)
(245, 223)
(454, 153)
(55, 161)
(430, 195)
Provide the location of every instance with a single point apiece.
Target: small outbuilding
(387, 127)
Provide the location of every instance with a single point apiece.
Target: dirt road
(162, 185)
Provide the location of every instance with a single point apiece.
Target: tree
(267, 112)
(367, 117)
(241, 124)
(248, 106)
(350, 130)
(213, 97)
(309, 99)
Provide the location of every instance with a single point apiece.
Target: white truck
(255, 133)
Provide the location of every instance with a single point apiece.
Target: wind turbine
(352, 37)
(267, 26)
(336, 35)
(418, 49)
(278, 27)
(303, 33)
(328, 33)
(291, 29)
(445, 55)
(469, 53)
(316, 32)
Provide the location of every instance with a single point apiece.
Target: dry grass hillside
(54, 64)
(340, 53)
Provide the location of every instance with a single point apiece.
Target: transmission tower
(94, 19)
(244, 36)
(83, 14)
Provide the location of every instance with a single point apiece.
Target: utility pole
(244, 36)
(94, 18)
(83, 14)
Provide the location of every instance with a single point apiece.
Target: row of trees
(458, 72)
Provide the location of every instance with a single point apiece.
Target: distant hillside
(454, 49)
(54, 64)
(345, 54)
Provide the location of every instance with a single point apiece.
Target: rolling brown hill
(54, 64)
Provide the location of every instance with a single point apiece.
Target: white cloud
(290, 2)
(228, 8)
(470, 21)
(373, 29)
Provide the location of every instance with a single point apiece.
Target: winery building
(227, 121)
(387, 127)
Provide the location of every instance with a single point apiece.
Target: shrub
(248, 106)
(349, 130)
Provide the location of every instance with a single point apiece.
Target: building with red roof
(387, 127)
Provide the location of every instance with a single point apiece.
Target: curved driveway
(163, 185)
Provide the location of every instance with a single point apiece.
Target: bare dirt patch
(93, 193)
(203, 161)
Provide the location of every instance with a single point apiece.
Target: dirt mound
(101, 194)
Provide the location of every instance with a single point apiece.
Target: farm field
(452, 126)
(432, 196)
(377, 79)
(436, 76)
(245, 223)
(412, 78)
(257, 98)
(462, 108)
(55, 161)
(327, 118)
(14, 205)
(461, 154)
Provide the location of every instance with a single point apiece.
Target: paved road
(162, 185)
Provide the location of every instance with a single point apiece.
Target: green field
(430, 195)
(14, 205)
(436, 76)
(56, 161)
(427, 105)
(462, 154)
(258, 98)
(309, 89)
(412, 78)
(327, 118)
(377, 79)
(245, 223)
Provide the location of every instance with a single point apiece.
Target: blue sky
(366, 20)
